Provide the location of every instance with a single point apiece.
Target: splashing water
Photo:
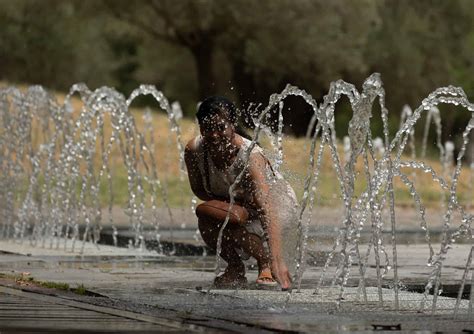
(49, 152)
(60, 180)
(383, 163)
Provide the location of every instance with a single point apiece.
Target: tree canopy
(243, 48)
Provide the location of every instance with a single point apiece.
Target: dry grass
(296, 157)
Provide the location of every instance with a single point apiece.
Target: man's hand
(261, 193)
(282, 274)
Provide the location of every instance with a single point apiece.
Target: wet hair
(217, 105)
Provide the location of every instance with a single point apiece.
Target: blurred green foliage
(244, 49)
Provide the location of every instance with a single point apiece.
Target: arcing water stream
(51, 184)
(51, 166)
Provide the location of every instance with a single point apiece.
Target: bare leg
(253, 245)
(210, 233)
(234, 236)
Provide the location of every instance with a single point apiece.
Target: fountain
(379, 174)
(55, 165)
(51, 185)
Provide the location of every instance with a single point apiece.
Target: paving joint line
(95, 308)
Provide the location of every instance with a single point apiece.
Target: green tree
(307, 43)
(51, 43)
(192, 25)
(419, 46)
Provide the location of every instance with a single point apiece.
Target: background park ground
(294, 168)
(245, 50)
(192, 49)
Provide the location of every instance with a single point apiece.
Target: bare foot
(265, 279)
(233, 277)
(282, 275)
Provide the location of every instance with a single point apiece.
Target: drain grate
(28, 311)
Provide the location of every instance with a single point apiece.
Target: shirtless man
(214, 160)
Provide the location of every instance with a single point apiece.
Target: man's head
(217, 117)
(216, 105)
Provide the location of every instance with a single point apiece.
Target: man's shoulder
(193, 145)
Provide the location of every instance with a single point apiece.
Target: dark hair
(217, 105)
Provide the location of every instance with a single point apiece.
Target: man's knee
(208, 226)
(209, 232)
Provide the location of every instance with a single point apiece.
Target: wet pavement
(173, 293)
(23, 310)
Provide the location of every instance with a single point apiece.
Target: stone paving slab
(23, 310)
(323, 218)
(61, 311)
(89, 249)
(182, 285)
(412, 262)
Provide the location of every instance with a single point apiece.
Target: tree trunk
(203, 54)
(244, 82)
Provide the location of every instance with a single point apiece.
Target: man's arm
(261, 191)
(194, 174)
